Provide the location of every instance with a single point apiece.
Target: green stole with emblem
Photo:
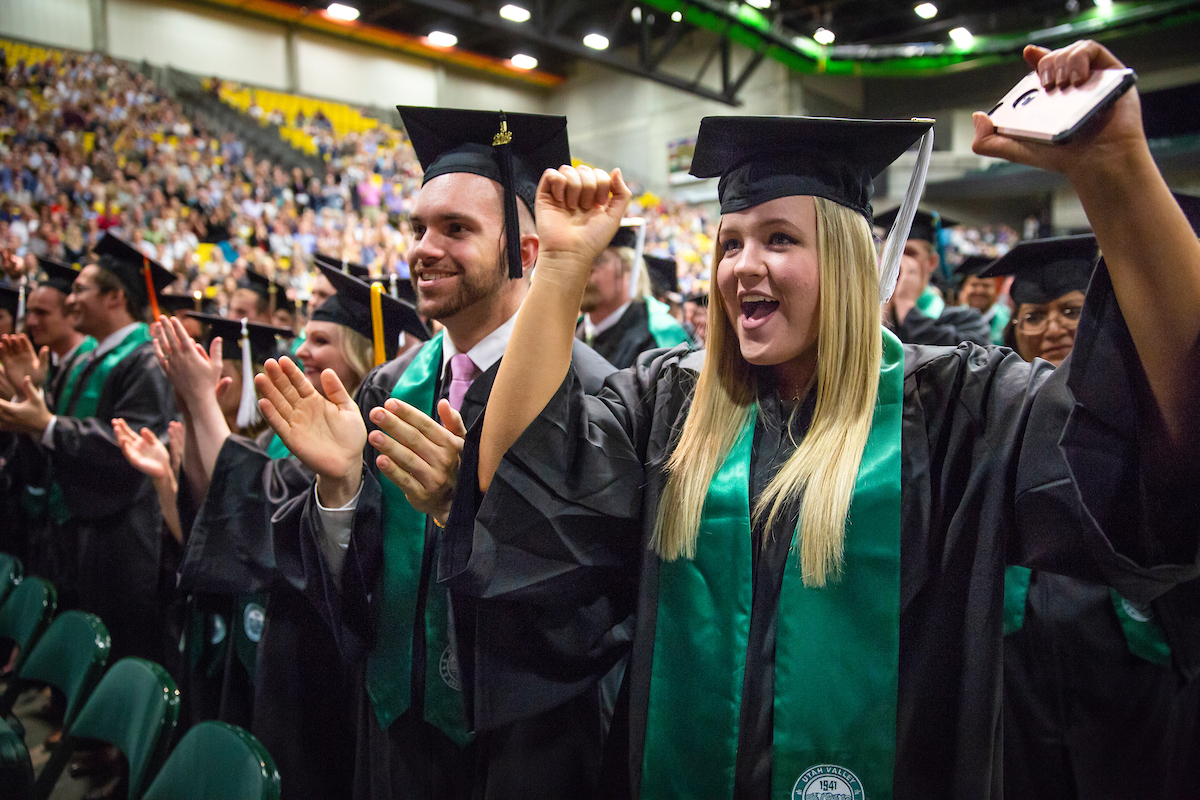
(1143, 634)
(390, 664)
(667, 332)
(837, 648)
(930, 303)
(83, 401)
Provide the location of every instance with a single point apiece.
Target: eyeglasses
(1035, 322)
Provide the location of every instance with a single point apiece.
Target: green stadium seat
(16, 772)
(135, 708)
(214, 761)
(11, 571)
(25, 614)
(70, 656)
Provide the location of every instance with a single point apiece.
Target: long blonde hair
(358, 352)
(825, 464)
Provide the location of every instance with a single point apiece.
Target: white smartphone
(1029, 111)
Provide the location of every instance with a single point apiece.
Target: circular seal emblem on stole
(1137, 613)
(254, 617)
(828, 782)
(449, 669)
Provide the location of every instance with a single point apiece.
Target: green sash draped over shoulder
(390, 664)
(80, 397)
(665, 329)
(837, 648)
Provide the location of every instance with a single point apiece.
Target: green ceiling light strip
(748, 27)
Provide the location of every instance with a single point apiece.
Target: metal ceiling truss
(546, 29)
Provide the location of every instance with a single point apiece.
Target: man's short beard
(471, 288)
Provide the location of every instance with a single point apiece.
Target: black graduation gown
(627, 339)
(300, 704)
(116, 523)
(954, 325)
(545, 744)
(984, 484)
(1083, 715)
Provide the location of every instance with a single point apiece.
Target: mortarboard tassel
(377, 322)
(20, 301)
(893, 249)
(503, 141)
(154, 313)
(248, 414)
(639, 249)
(394, 292)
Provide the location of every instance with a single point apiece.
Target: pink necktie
(462, 373)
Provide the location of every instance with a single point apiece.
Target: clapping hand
(195, 374)
(326, 433)
(144, 451)
(418, 455)
(28, 414)
(19, 359)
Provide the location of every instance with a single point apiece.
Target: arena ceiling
(856, 37)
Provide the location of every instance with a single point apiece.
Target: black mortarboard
(355, 270)
(511, 149)
(664, 274)
(59, 276)
(626, 236)
(351, 307)
(972, 266)
(127, 263)
(170, 303)
(1046, 269)
(262, 337)
(765, 158)
(699, 298)
(395, 286)
(925, 224)
(262, 286)
(10, 300)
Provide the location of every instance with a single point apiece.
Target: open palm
(326, 433)
(145, 452)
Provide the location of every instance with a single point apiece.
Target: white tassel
(393, 291)
(248, 414)
(635, 274)
(893, 249)
(20, 304)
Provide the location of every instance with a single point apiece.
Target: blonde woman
(824, 515)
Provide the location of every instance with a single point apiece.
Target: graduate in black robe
(644, 324)
(999, 462)
(924, 318)
(1095, 703)
(98, 503)
(541, 737)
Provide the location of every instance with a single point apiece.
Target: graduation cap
(396, 286)
(925, 224)
(972, 266)
(511, 149)
(759, 159)
(264, 287)
(1045, 269)
(59, 276)
(351, 307)
(664, 274)
(172, 303)
(261, 337)
(130, 266)
(10, 301)
(699, 298)
(349, 267)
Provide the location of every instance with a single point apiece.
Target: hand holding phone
(1056, 114)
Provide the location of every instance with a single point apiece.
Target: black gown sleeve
(88, 463)
(956, 324)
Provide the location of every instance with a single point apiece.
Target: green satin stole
(930, 303)
(83, 401)
(837, 648)
(665, 329)
(390, 664)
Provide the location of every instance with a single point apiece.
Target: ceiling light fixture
(596, 41)
(343, 12)
(636, 14)
(962, 37)
(514, 13)
(761, 5)
(676, 16)
(441, 39)
(522, 61)
(824, 36)
(926, 10)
